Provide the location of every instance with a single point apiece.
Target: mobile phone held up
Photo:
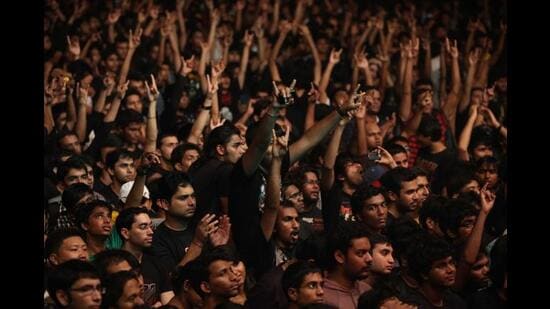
(374, 155)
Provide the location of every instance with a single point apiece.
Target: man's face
(423, 188)
(138, 85)
(374, 135)
(76, 176)
(84, 293)
(426, 99)
(353, 173)
(465, 228)
(311, 290)
(408, 196)
(131, 295)
(124, 170)
(167, 145)
(287, 226)
(90, 173)
(310, 188)
(120, 266)
(375, 212)
(134, 102)
(189, 157)
(132, 133)
(99, 222)
(122, 49)
(112, 63)
(481, 151)
(358, 259)
(382, 259)
(373, 101)
(141, 232)
(487, 173)
(401, 159)
(480, 270)
(442, 273)
(295, 196)
(183, 202)
(222, 281)
(476, 97)
(72, 248)
(233, 149)
(473, 185)
(71, 143)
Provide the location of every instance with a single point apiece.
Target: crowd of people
(275, 154)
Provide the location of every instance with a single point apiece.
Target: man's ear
(111, 171)
(84, 226)
(220, 150)
(430, 223)
(393, 197)
(292, 294)
(339, 257)
(178, 166)
(53, 259)
(205, 287)
(63, 298)
(163, 204)
(125, 233)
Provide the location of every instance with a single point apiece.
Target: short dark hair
(84, 210)
(295, 274)
(429, 126)
(66, 274)
(109, 257)
(427, 250)
(113, 157)
(377, 238)
(463, 173)
(73, 194)
(65, 167)
(188, 272)
(455, 212)
(127, 217)
(180, 150)
(401, 234)
(341, 160)
(499, 261)
(340, 239)
(56, 238)
(392, 179)
(114, 286)
(223, 253)
(168, 185)
(394, 149)
(434, 208)
(219, 136)
(363, 193)
(127, 117)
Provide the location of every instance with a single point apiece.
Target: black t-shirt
(170, 246)
(155, 278)
(436, 165)
(110, 196)
(486, 299)
(210, 181)
(336, 204)
(450, 301)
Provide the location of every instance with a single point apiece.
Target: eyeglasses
(89, 289)
(295, 195)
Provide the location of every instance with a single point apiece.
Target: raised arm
(149, 159)
(427, 71)
(500, 44)
(284, 28)
(71, 109)
(273, 189)
(304, 31)
(115, 105)
(248, 38)
(239, 6)
(451, 103)
(362, 148)
(363, 64)
(173, 39)
(154, 14)
(133, 42)
(112, 19)
(327, 177)
(151, 129)
(488, 114)
(473, 58)
(312, 99)
(276, 16)
(81, 121)
(333, 60)
(405, 108)
(466, 134)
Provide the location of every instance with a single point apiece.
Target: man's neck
(392, 209)
(415, 215)
(176, 224)
(95, 243)
(105, 178)
(309, 205)
(337, 275)
(211, 301)
(134, 250)
(437, 147)
(166, 165)
(433, 294)
(348, 188)
(372, 278)
(115, 186)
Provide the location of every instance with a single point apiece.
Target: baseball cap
(125, 190)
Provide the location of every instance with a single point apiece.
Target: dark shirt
(170, 246)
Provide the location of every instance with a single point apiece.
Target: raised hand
(113, 16)
(304, 30)
(285, 26)
(135, 38)
(248, 38)
(154, 12)
(452, 50)
(206, 226)
(240, 5)
(313, 94)
(122, 88)
(148, 161)
(487, 199)
(473, 57)
(73, 46)
(385, 158)
(361, 60)
(284, 96)
(217, 70)
(280, 144)
(220, 235)
(353, 103)
(187, 65)
(212, 85)
(152, 91)
(335, 56)
(214, 123)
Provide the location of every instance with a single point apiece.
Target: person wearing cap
(145, 202)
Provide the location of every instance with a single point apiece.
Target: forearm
(162, 52)
(198, 126)
(469, 42)
(405, 107)
(81, 123)
(313, 136)
(316, 59)
(327, 178)
(173, 39)
(111, 33)
(362, 147)
(183, 30)
(384, 79)
(151, 130)
(150, 27)
(126, 67)
(100, 103)
(113, 111)
(276, 17)
(243, 67)
(368, 77)
(451, 102)
(192, 253)
(323, 84)
(310, 115)
(483, 74)
(244, 118)
(498, 51)
(71, 112)
(428, 64)
(414, 123)
(239, 21)
(272, 198)
(354, 77)
(298, 14)
(466, 134)
(136, 193)
(49, 122)
(85, 49)
(465, 101)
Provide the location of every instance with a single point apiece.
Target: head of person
(135, 227)
(185, 283)
(431, 262)
(303, 283)
(120, 166)
(130, 122)
(111, 62)
(368, 204)
(293, 196)
(184, 155)
(224, 143)
(216, 274)
(399, 155)
(432, 214)
(374, 102)
(166, 144)
(429, 131)
(487, 171)
(287, 226)
(348, 170)
(383, 261)
(176, 196)
(401, 141)
(423, 95)
(402, 234)
(402, 188)
(383, 295)
(72, 171)
(65, 244)
(123, 290)
(482, 143)
(423, 184)
(459, 221)
(479, 272)
(476, 95)
(89, 162)
(75, 284)
(125, 189)
(75, 194)
(349, 250)
(68, 140)
(94, 218)
(121, 46)
(132, 101)
(114, 260)
(374, 135)
(308, 182)
(111, 143)
(463, 180)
